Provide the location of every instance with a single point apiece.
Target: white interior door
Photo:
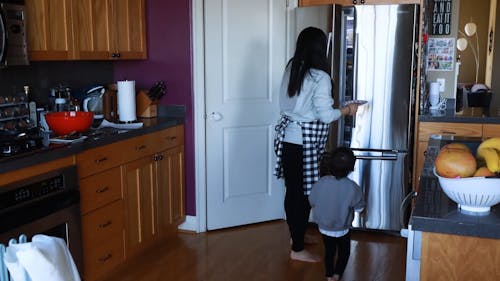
(245, 54)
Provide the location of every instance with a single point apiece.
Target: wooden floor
(261, 252)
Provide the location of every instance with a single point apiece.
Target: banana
(490, 143)
(491, 157)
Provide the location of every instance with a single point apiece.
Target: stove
(20, 143)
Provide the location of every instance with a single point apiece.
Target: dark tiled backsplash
(42, 76)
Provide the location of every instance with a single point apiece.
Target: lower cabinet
(456, 257)
(171, 209)
(140, 187)
(132, 196)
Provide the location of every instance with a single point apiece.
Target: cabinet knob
(140, 147)
(106, 224)
(100, 160)
(105, 258)
(102, 189)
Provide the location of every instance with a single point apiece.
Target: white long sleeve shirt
(313, 103)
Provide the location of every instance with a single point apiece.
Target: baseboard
(191, 224)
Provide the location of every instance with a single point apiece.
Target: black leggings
(297, 206)
(343, 244)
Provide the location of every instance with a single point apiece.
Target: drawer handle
(448, 133)
(141, 147)
(99, 161)
(106, 224)
(171, 138)
(105, 258)
(102, 189)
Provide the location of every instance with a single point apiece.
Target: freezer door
(383, 177)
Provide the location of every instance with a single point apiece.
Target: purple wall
(168, 25)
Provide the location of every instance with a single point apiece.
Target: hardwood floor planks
(261, 252)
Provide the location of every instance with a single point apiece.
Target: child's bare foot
(304, 256)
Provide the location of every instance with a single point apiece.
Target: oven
(45, 204)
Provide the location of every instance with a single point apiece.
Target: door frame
(198, 223)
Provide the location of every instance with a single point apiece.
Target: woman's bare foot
(310, 239)
(304, 256)
(333, 278)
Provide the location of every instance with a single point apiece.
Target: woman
(307, 110)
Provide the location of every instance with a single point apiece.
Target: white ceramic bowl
(474, 194)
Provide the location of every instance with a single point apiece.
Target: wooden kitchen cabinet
(132, 194)
(141, 209)
(110, 29)
(455, 257)
(86, 29)
(171, 209)
(491, 130)
(49, 29)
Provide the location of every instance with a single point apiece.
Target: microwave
(13, 46)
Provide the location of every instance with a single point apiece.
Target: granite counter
(435, 212)
(95, 138)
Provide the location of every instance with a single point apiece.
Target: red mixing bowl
(66, 122)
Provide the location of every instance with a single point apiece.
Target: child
(334, 199)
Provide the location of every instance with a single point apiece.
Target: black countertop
(169, 116)
(469, 115)
(435, 212)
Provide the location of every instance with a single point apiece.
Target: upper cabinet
(86, 29)
(110, 29)
(49, 29)
(303, 3)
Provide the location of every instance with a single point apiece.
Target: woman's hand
(349, 109)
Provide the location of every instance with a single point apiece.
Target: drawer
(103, 223)
(168, 138)
(100, 258)
(138, 147)
(100, 189)
(458, 129)
(491, 130)
(99, 159)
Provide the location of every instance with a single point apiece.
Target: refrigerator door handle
(355, 76)
(376, 154)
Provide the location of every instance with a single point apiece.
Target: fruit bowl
(474, 194)
(66, 122)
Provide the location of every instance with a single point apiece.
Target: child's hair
(338, 163)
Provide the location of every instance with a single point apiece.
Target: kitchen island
(443, 241)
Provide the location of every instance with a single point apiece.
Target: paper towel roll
(126, 101)
(434, 94)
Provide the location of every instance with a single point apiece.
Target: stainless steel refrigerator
(374, 59)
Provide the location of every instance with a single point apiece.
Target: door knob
(215, 116)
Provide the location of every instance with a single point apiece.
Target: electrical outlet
(441, 82)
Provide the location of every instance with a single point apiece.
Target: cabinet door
(491, 130)
(304, 3)
(93, 29)
(140, 193)
(129, 29)
(171, 207)
(49, 29)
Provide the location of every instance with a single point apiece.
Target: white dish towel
(44, 258)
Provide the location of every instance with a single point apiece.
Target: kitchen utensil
(475, 195)
(94, 101)
(66, 122)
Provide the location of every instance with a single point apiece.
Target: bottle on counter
(31, 105)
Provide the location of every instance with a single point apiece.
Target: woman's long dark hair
(310, 52)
